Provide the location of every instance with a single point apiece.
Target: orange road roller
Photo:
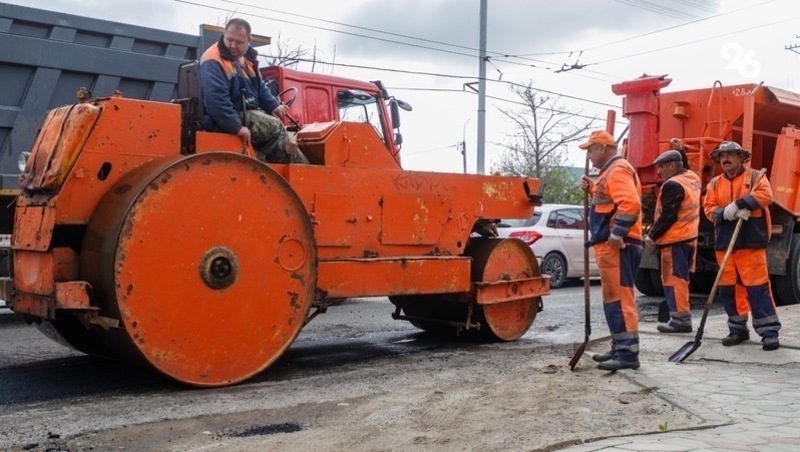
(205, 263)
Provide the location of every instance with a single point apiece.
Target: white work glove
(744, 214)
(730, 211)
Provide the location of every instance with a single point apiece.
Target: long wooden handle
(586, 284)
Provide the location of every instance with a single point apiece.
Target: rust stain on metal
(293, 297)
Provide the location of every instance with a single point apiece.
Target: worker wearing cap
(674, 232)
(742, 192)
(615, 223)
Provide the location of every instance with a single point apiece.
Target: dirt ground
(484, 397)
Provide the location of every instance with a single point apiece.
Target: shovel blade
(577, 356)
(685, 351)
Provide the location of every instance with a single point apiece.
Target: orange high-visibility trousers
(677, 261)
(748, 268)
(617, 272)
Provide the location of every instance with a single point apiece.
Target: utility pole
(481, 145)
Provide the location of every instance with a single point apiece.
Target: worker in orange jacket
(674, 232)
(742, 192)
(615, 223)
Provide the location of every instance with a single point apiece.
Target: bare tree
(283, 53)
(538, 145)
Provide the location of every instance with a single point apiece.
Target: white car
(555, 233)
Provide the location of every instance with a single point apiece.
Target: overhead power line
(660, 30)
(546, 65)
(502, 99)
(658, 9)
(695, 41)
(360, 35)
(462, 77)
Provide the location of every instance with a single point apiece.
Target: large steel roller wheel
(209, 263)
(502, 260)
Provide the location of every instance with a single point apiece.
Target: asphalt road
(34, 368)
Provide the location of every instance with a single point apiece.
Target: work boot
(616, 364)
(603, 357)
(734, 339)
(770, 343)
(673, 328)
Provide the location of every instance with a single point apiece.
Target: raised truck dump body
(762, 119)
(138, 236)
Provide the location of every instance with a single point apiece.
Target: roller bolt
(220, 268)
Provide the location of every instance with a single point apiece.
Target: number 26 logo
(740, 59)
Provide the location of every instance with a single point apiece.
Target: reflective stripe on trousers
(676, 262)
(748, 267)
(617, 272)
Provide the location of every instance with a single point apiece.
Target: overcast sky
(744, 43)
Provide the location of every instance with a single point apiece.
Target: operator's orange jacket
(722, 191)
(686, 218)
(616, 203)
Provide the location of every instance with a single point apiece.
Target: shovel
(690, 347)
(586, 289)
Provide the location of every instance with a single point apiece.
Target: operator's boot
(617, 364)
(603, 357)
(770, 343)
(735, 339)
(674, 328)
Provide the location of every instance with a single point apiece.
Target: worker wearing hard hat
(744, 193)
(674, 232)
(615, 222)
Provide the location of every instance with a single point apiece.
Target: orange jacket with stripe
(677, 219)
(225, 88)
(748, 192)
(616, 203)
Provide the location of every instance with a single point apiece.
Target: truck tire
(786, 288)
(648, 282)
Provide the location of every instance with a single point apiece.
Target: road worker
(674, 232)
(742, 192)
(615, 223)
(236, 100)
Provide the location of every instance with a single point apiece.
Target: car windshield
(521, 223)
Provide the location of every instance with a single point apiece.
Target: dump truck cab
(314, 97)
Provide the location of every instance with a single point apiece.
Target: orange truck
(139, 236)
(762, 119)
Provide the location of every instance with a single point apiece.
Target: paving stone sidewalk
(750, 397)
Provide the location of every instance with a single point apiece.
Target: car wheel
(555, 265)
